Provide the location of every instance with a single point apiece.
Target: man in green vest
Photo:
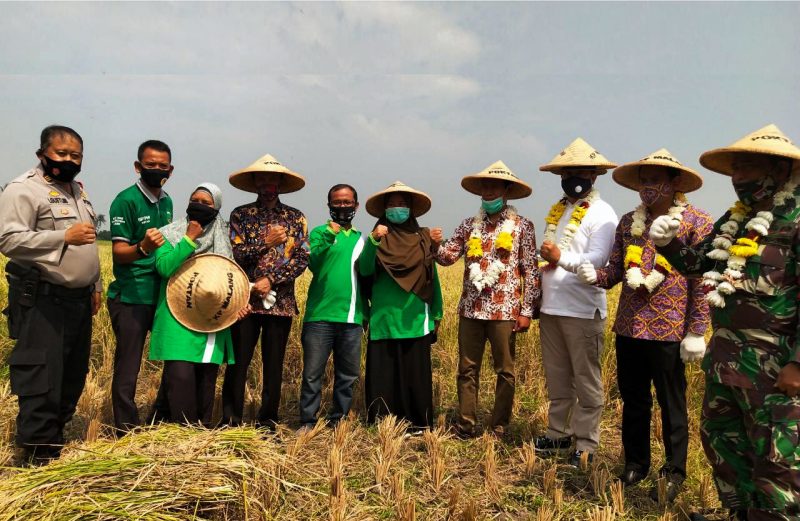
(136, 215)
(335, 310)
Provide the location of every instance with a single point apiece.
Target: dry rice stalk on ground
(337, 500)
(436, 462)
(169, 473)
(390, 441)
(490, 476)
(617, 492)
(601, 514)
(529, 460)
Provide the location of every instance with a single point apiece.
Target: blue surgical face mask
(398, 215)
(493, 206)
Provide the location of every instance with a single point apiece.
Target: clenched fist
(152, 240)
(550, 252)
(79, 234)
(194, 230)
(335, 227)
(664, 229)
(261, 287)
(276, 236)
(379, 232)
(436, 236)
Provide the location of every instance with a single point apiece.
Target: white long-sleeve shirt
(562, 293)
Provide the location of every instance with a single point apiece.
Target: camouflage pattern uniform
(751, 430)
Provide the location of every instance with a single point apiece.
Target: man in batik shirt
(500, 295)
(270, 242)
(661, 317)
(750, 424)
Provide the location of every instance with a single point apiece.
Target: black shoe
(38, 455)
(673, 488)
(461, 433)
(549, 446)
(632, 477)
(577, 456)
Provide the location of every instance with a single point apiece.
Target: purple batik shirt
(677, 306)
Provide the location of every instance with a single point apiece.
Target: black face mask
(342, 215)
(154, 177)
(201, 213)
(64, 171)
(576, 187)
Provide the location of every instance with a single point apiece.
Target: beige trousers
(571, 350)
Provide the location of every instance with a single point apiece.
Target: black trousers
(399, 381)
(49, 362)
(130, 323)
(191, 388)
(274, 331)
(640, 363)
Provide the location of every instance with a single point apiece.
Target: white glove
(664, 229)
(693, 347)
(586, 273)
(269, 300)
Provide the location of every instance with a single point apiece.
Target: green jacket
(169, 340)
(334, 294)
(396, 313)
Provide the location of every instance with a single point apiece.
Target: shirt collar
(150, 197)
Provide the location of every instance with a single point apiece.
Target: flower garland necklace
(736, 252)
(554, 216)
(502, 243)
(633, 253)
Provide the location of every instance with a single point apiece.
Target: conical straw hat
(628, 174)
(420, 201)
(207, 293)
(768, 140)
(579, 153)
(243, 179)
(498, 170)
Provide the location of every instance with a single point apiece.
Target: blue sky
(368, 93)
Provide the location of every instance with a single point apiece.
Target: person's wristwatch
(140, 250)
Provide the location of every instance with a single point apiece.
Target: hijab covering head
(405, 254)
(214, 239)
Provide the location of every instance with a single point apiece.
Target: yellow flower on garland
(556, 211)
(577, 215)
(664, 263)
(633, 255)
(504, 241)
(474, 247)
(744, 247)
(740, 207)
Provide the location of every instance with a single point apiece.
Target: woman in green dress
(191, 358)
(406, 306)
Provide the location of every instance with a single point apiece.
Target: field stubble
(352, 472)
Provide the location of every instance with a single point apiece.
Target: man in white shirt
(580, 229)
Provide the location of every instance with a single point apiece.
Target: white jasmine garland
(489, 277)
(724, 241)
(634, 277)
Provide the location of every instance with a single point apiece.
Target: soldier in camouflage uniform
(750, 423)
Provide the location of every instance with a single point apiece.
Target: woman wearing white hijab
(191, 359)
